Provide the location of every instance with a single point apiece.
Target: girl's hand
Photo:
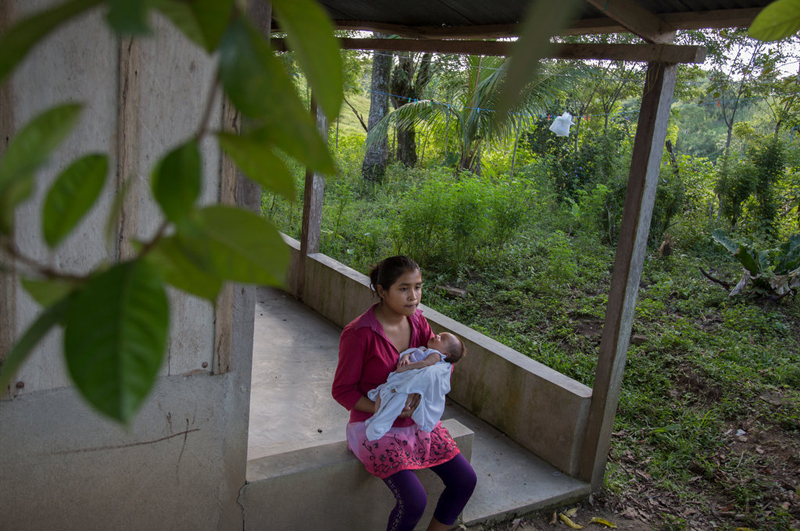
(411, 405)
(377, 403)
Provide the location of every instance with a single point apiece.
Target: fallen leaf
(554, 521)
(564, 518)
(601, 521)
(571, 512)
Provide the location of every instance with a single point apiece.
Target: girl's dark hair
(387, 271)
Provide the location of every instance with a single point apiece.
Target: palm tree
(471, 113)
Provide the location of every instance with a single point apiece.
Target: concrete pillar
(648, 147)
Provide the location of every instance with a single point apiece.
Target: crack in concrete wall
(184, 433)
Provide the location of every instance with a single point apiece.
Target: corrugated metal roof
(438, 14)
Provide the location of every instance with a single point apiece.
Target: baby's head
(449, 345)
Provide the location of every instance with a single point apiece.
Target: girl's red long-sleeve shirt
(366, 357)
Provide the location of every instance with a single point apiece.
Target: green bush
(446, 222)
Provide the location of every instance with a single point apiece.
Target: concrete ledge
(539, 408)
(326, 487)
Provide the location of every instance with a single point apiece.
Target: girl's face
(404, 295)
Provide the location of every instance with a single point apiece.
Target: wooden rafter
(665, 53)
(636, 19)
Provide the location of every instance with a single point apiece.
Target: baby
(443, 347)
(431, 381)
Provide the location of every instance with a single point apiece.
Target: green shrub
(446, 222)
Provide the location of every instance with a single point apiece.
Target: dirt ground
(583, 515)
(644, 507)
(773, 459)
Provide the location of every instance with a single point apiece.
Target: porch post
(312, 207)
(648, 147)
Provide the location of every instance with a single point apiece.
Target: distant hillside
(348, 123)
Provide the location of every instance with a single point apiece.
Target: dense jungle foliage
(708, 428)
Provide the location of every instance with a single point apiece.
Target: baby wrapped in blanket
(422, 370)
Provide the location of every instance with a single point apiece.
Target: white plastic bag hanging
(560, 125)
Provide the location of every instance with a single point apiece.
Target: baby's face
(440, 342)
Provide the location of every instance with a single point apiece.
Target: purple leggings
(459, 481)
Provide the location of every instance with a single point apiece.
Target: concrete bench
(326, 488)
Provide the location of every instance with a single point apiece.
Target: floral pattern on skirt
(406, 448)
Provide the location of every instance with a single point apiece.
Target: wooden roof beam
(493, 31)
(665, 53)
(727, 18)
(636, 19)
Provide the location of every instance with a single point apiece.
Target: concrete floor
(294, 358)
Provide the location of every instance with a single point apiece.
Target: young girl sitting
(369, 350)
(432, 384)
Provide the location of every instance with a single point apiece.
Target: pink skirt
(406, 448)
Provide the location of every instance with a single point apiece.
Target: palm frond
(408, 115)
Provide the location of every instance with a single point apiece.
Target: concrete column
(8, 281)
(648, 147)
(312, 205)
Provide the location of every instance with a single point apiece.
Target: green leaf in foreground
(543, 20)
(177, 181)
(35, 332)
(182, 16)
(254, 79)
(309, 33)
(234, 244)
(47, 292)
(258, 161)
(28, 151)
(72, 195)
(297, 141)
(16, 42)
(777, 21)
(179, 270)
(213, 17)
(128, 17)
(116, 332)
(259, 86)
(202, 21)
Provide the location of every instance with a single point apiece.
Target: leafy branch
(116, 317)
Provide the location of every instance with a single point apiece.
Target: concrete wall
(182, 462)
(539, 408)
(326, 488)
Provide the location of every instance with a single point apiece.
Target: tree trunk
(374, 165)
(403, 92)
(408, 82)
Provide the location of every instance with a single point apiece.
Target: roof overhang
(470, 26)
